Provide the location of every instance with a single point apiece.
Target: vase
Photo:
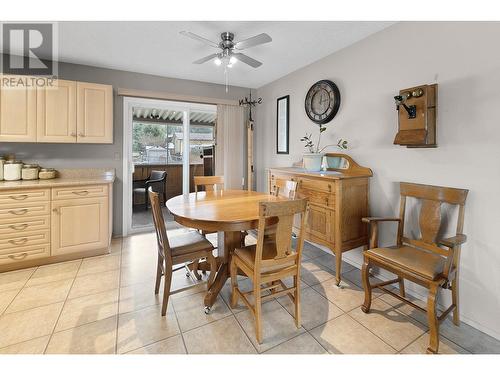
(312, 162)
(333, 161)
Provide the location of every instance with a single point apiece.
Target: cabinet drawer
(9, 243)
(24, 196)
(23, 225)
(326, 186)
(317, 197)
(21, 211)
(24, 253)
(77, 192)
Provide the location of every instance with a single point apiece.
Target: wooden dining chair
(178, 249)
(208, 182)
(286, 189)
(271, 260)
(427, 261)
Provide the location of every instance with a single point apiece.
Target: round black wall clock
(322, 101)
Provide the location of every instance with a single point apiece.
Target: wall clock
(322, 101)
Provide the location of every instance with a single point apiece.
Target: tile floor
(107, 305)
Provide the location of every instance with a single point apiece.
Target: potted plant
(313, 160)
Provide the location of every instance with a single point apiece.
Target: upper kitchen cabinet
(68, 112)
(94, 113)
(17, 113)
(56, 113)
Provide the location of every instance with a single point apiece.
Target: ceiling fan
(229, 53)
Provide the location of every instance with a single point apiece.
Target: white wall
(464, 60)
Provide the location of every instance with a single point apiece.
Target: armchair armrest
(153, 181)
(457, 240)
(374, 219)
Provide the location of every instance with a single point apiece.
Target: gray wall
(369, 73)
(110, 156)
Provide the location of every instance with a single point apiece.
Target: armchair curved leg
(454, 300)
(433, 320)
(402, 287)
(365, 275)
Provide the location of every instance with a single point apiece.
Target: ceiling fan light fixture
(232, 60)
(217, 61)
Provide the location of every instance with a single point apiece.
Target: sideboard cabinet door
(319, 222)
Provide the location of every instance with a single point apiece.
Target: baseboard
(385, 277)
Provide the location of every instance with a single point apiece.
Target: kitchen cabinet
(17, 112)
(94, 113)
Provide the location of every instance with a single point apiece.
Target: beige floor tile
(35, 346)
(315, 309)
(88, 309)
(392, 326)
(303, 344)
(277, 326)
(29, 324)
(93, 338)
(412, 312)
(420, 345)
(179, 281)
(190, 311)
(347, 297)
(314, 273)
(116, 245)
(138, 296)
(221, 337)
(172, 345)
(40, 295)
(310, 251)
(328, 260)
(54, 272)
(6, 298)
(354, 276)
(99, 264)
(143, 327)
(469, 338)
(14, 279)
(137, 273)
(94, 283)
(343, 335)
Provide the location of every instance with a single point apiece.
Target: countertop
(66, 177)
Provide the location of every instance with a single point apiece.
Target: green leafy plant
(313, 148)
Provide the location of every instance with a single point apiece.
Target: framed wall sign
(282, 124)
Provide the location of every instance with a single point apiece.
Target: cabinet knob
(72, 135)
(55, 210)
(81, 135)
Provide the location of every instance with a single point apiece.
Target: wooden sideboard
(338, 199)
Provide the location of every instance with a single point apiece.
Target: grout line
(19, 291)
(178, 324)
(62, 308)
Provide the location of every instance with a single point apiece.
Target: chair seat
(413, 260)
(186, 243)
(247, 255)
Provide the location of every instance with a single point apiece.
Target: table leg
(231, 241)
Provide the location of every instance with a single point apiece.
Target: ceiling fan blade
(247, 60)
(194, 36)
(205, 59)
(253, 41)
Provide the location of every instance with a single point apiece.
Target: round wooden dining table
(226, 211)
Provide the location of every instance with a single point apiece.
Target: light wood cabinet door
(94, 113)
(17, 112)
(79, 225)
(319, 222)
(56, 113)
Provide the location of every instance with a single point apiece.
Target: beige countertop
(66, 177)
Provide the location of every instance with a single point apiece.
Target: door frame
(128, 104)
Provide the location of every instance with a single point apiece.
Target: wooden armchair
(157, 181)
(287, 189)
(271, 260)
(427, 261)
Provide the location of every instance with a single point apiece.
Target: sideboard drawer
(24, 196)
(20, 254)
(77, 192)
(326, 186)
(9, 243)
(23, 225)
(317, 197)
(21, 211)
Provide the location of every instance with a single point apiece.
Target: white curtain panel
(230, 150)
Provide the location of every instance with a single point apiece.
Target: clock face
(322, 101)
